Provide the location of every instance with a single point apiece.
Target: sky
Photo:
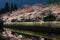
(20, 3)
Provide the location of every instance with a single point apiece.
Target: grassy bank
(39, 29)
(53, 24)
(26, 32)
(44, 27)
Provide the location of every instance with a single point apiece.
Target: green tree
(50, 18)
(11, 7)
(53, 1)
(2, 10)
(6, 7)
(15, 7)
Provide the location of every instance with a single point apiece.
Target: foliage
(2, 10)
(8, 8)
(13, 7)
(50, 18)
(53, 1)
(5, 9)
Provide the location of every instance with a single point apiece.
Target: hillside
(33, 13)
